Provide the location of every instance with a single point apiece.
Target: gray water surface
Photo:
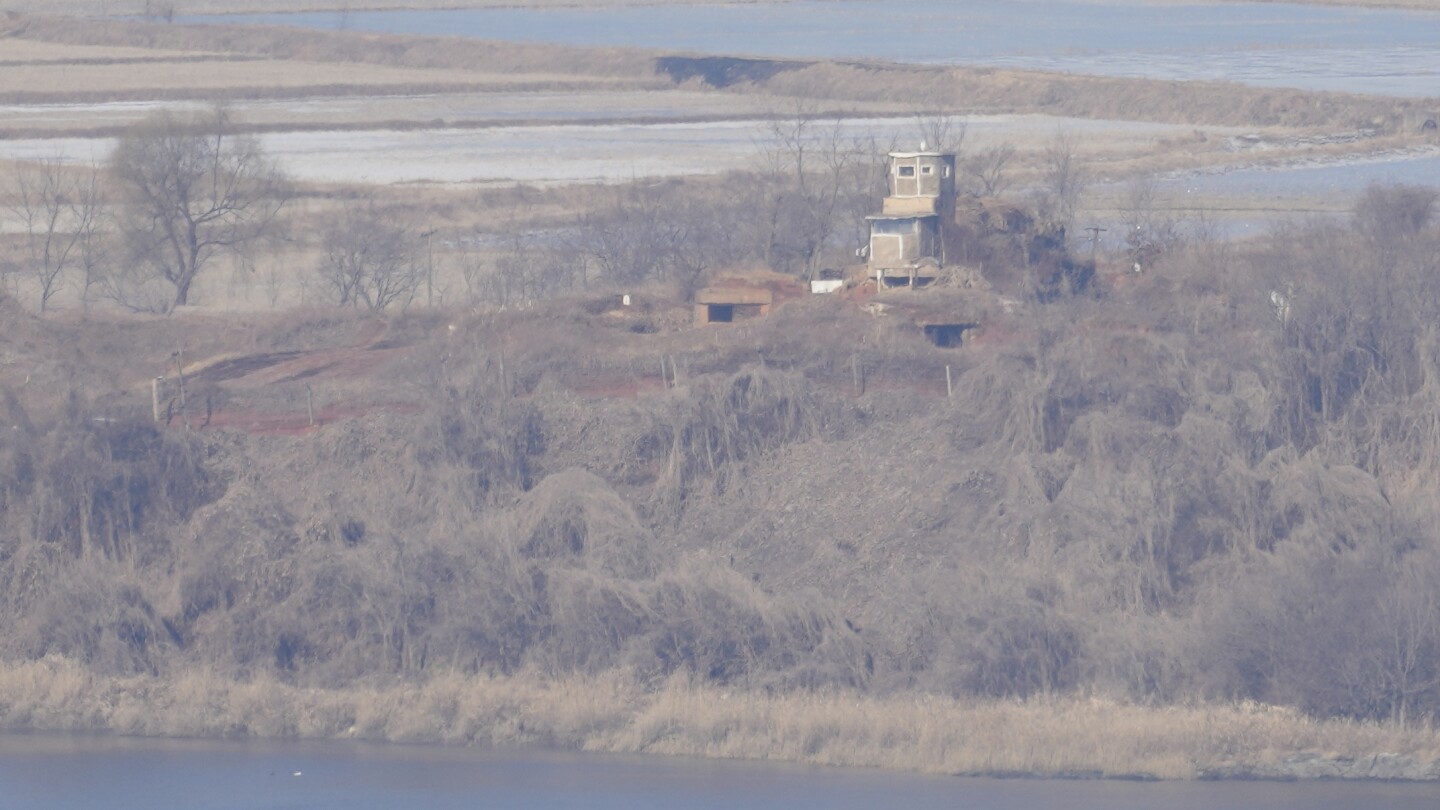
(63, 772)
(1361, 50)
(1339, 179)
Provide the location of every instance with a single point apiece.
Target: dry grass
(988, 90)
(219, 68)
(941, 735)
(455, 53)
(611, 712)
(16, 51)
(221, 76)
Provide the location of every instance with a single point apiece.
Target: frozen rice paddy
(570, 153)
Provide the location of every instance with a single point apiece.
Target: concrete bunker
(729, 304)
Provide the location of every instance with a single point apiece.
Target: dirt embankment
(308, 45)
(958, 90)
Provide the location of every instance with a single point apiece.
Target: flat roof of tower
(921, 154)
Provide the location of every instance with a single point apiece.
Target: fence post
(949, 389)
(180, 377)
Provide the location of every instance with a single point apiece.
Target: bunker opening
(946, 335)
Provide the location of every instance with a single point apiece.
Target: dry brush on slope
(1210, 482)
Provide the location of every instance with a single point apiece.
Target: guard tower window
(905, 171)
(893, 227)
(927, 169)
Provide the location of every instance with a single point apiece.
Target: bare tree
(631, 237)
(1404, 656)
(988, 169)
(96, 246)
(813, 176)
(1150, 231)
(659, 231)
(58, 210)
(940, 132)
(192, 189)
(1065, 179)
(370, 257)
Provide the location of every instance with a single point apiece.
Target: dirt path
(253, 383)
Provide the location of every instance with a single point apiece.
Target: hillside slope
(1167, 491)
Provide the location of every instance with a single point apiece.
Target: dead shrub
(720, 422)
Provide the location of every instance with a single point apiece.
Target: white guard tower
(905, 244)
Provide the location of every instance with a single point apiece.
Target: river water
(1381, 51)
(1335, 179)
(64, 772)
